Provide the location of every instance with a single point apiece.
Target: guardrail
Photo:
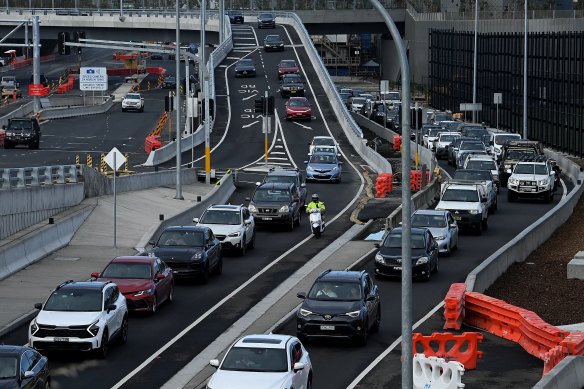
(68, 112)
(13, 178)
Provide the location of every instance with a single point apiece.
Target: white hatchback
(263, 362)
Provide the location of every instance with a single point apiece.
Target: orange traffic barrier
(552, 358)
(396, 142)
(454, 306)
(380, 186)
(415, 180)
(388, 182)
(152, 143)
(461, 348)
(2, 134)
(574, 343)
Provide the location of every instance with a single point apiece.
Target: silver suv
(233, 225)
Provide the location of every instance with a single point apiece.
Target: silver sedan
(441, 224)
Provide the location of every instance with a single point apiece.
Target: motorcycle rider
(316, 203)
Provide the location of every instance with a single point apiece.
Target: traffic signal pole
(265, 120)
(36, 60)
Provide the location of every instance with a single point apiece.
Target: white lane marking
(279, 146)
(244, 37)
(232, 57)
(303, 126)
(390, 349)
(250, 124)
(249, 97)
(277, 158)
(278, 153)
(279, 124)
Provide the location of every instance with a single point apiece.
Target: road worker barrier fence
(152, 143)
(461, 348)
(416, 179)
(436, 373)
(66, 87)
(454, 307)
(2, 135)
(396, 142)
(383, 184)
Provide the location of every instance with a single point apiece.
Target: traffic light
(63, 38)
(416, 118)
(79, 35)
(211, 108)
(259, 105)
(271, 104)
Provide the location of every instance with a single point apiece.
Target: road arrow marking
(250, 124)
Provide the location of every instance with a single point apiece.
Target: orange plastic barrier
(156, 70)
(2, 134)
(461, 348)
(21, 64)
(152, 143)
(574, 343)
(552, 358)
(415, 180)
(396, 142)
(380, 187)
(388, 182)
(454, 306)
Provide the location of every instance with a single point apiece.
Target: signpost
(93, 79)
(36, 90)
(115, 159)
(497, 100)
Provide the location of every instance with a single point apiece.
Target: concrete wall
(569, 373)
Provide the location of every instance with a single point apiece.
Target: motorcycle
(317, 225)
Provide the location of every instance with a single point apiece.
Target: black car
(235, 17)
(273, 43)
(292, 176)
(22, 131)
(245, 67)
(291, 85)
(157, 56)
(169, 82)
(453, 148)
(276, 203)
(474, 131)
(191, 251)
(23, 367)
(388, 260)
(340, 304)
(266, 20)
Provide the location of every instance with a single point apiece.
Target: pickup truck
(133, 101)
(468, 204)
(22, 131)
(9, 81)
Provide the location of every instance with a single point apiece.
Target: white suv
(533, 178)
(83, 316)
(233, 225)
(133, 101)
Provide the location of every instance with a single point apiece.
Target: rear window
(273, 195)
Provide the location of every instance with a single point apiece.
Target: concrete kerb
(569, 373)
(219, 195)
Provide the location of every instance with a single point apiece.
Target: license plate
(244, 72)
(266, 218)
(397, 268)
(457, 218)
(61, 339)
(327, 328)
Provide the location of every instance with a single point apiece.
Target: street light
(178, 195)
(525, 74)
(474, 76)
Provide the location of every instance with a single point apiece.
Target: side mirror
(152, 243)
(258, 183)
(246, 222)
(370, 298)
(298, 366)
(340, 162)
(111, 307)
(301, 295)
(400, 223)
(248, 199)
(159, 277)
(377, 245)
(303, 185)
(95, 275)
(38, 305)
(306, 162)
(28, 374)
(196, 219)
(453, 225)
(214, 363)
(483, 199)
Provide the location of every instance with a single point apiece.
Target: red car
(146, 282)
(287, 66)
(298, 108)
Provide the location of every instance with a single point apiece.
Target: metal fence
(555, 82)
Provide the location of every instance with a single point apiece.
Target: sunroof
(262, 340)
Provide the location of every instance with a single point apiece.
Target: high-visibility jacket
(317, 204)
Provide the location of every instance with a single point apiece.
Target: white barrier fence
(436, 373)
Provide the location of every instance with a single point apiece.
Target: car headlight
(513, 181)
(507, 166)
(378, 258)
(34, 327)
(422, 261)
(474, 211)
(252, 208)
(309, 169)
(442, 237)
(94, 328)
(284, 209)
(353, 314)
(335, 169)
(509, 170)
(197, 256)
(497, 151)
(542, 182)
(143, 292)
(305, 312)
(235, 234)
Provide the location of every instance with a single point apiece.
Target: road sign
(497, 98)
(119, 160)
(471, 107)
(36, 90)
(93, 79)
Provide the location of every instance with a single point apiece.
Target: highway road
(239, 143)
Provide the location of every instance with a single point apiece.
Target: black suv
(276, 202)
(273, 43)
(291, 176)
(191, 251)
(340, 304)
(235, 17)
(22, 131)
(266, 20)
(291, 84)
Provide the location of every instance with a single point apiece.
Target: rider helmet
(315, 197)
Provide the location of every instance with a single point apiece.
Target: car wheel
(547, 198)
(243, 248)
(142, 109)
(103, 349)
(485, 224)
(170, 297)
(154, 304)
(436, 267)
(219, 267)
(31, 145)
(309, 383)
(123, 109)
(377, 323)
(251, 244)
(449, 248)
(495, 206)
(479, 228)
(124, 331)
(47, 384)
(205, 274)
(362, 339)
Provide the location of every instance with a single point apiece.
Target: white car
(321, 141)
(357, 104)
(81, 316)
(442, 142)
(133, 101)
(467, 203)
(233, 225)
(498, 139)
(533, 178)
(263, 362)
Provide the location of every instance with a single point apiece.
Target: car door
(432, 249)
(27, 361)
(110, 316)
(370, 305)
(248, 224)
(300, 378)
(163, 285)
(453, 228)
(213, 249)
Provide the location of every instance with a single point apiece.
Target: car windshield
(213, 216)
(335, 290)
(517, 154)
(391, 96)
(472, 146)
(440, 117)
(475, 132)
(481, 165)
(358, 100)
(127, 270)
(133, 96)
(181, 238)
(20, 124)
(273, 38)
(245, 62)
(394, 240)
(421, 220)
(447, 137)
(75, 300)
(287, 64)
(434, 132)
(323, 158)
(8, 365)
(274, 195)
(323, 142)
(256, 359)
(463, 195)
(530, 168)
(464, 174)
(501, 139)
(298, 103)
(450, 126)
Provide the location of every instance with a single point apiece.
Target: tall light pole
(525, 74)
(178, 131)
(406, 289)
(204, 77)
(474, 75)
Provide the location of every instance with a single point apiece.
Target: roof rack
(532, 158)
(64, 283)
(324, 273)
